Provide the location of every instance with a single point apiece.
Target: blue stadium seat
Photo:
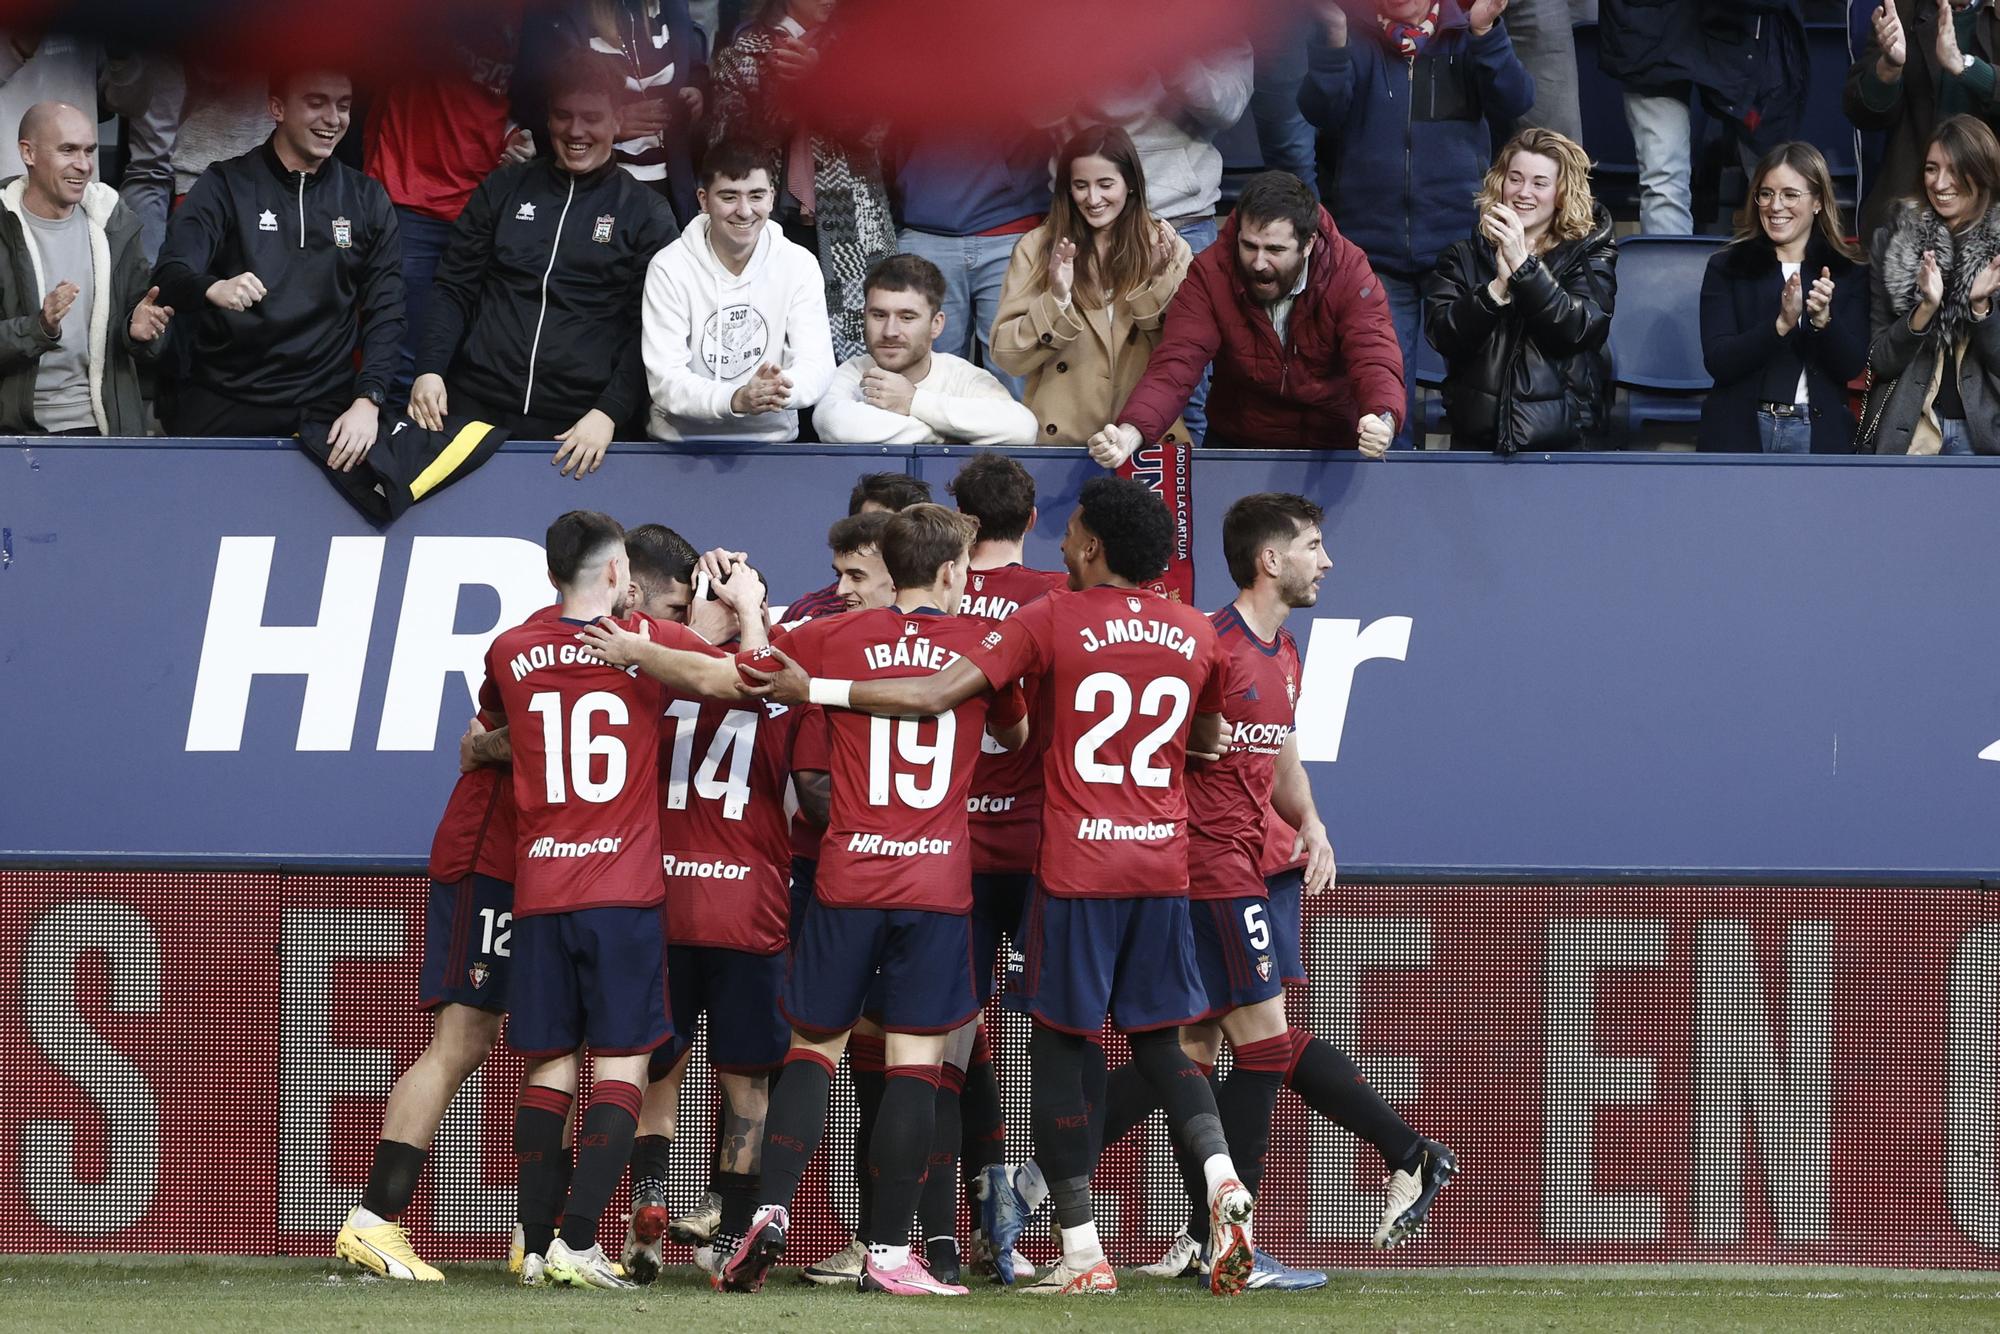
(1826, 125)
(1429, 375)
(1614, 176)
(1656, 327)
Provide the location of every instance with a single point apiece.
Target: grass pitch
(209, 1295)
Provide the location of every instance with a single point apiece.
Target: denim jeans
(1663, 137)
(1542, 33)
(1784, 435)
(974, 269)
(424, 239)
(1406, 308)
(1199, 236)
(1957, 439)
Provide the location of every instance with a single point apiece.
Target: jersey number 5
(583, 747)
(1165, 697)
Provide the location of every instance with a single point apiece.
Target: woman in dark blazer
(1784, 317)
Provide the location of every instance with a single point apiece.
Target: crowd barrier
(1661, 784)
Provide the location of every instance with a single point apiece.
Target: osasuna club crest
(601, 233)
(478, 974)
(343, 233)
(1263, 968)
(1133, 603)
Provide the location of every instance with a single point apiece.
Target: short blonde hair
(1576, 211)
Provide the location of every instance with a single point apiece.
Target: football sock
(981, 1114)
(904, 1132)
(393, 1178)
(1073, 1207)
(865, 1058)
(1061, 1113)
(1128, 1100)
(739, 1200)
(604, 1147)
(1094, 1097)
(937, 1207)
(1183, 1091)
(650, 1154)
(797, 1120)
(1331, 1085)
(1081, 1248)
(1246, 1102)
(1193, 1181)
(544, 1163)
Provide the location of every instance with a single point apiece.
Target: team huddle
(818, 832)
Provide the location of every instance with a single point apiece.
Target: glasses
(1789, 198)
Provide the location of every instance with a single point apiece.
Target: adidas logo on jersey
(672, 865)
(1101, 830)
(877, 845)
(549, 847)
(988, 805)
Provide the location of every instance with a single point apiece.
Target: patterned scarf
(1409, 39)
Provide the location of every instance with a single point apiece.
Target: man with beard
(1297, 328)
(537, 296)
(904, 392)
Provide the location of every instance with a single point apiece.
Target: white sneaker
(843, 1266)
(1064, 1279)
(534, 1272)
(583, 1269)
(1181, 1257)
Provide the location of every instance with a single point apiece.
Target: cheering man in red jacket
(1297, 326)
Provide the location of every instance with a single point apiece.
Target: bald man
(76, 312)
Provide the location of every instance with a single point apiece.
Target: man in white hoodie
(904, 392)
(735, 334)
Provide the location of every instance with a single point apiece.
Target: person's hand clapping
(767, 390)
(1819, 299)
(1791, 305)
(1062, 270)
(1887, 26)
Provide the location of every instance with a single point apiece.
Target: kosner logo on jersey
(335, 652)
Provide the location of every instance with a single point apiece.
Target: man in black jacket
(283, 260)
(535, 316)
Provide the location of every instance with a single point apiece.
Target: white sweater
(957, 403)
(706, 330)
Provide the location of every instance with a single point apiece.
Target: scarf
(1408, 38)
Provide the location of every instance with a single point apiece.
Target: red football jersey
(725, 848)
(812, 752)
(1006, 801)
(897, 835)
(476, 831)
(1229, 801)
(585, 739)
(1123, 672)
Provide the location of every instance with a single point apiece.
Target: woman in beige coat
(1087, 290)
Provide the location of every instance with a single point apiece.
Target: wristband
(828, 693)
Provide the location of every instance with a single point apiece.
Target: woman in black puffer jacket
(1522, 310)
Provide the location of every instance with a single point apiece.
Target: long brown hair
(1576, 211)
(1810, 163)
(1973, 151)
(1130, 260)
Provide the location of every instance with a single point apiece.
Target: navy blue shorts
(739, 994)
(466, 945)
(1129, 959)
(595, 977)
(1287, 890)
(924, 960)
(805, 871)
(1235, 949)
(999, 899)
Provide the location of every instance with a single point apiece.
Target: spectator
(537, 296)
(658, 56)
(1936, 265)
(1174, 117)
(1403, 104)
(432, 138)
(285, 261)
(904, 392)
(224, 115)
(830, 195)
(1952, 72)
(146, 90)
(735, 328)
(1522, 309)
(1298, 330)
(1784, 316)
(1086, 292)
(73, 290)
(963, 205)
(1747, 58)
